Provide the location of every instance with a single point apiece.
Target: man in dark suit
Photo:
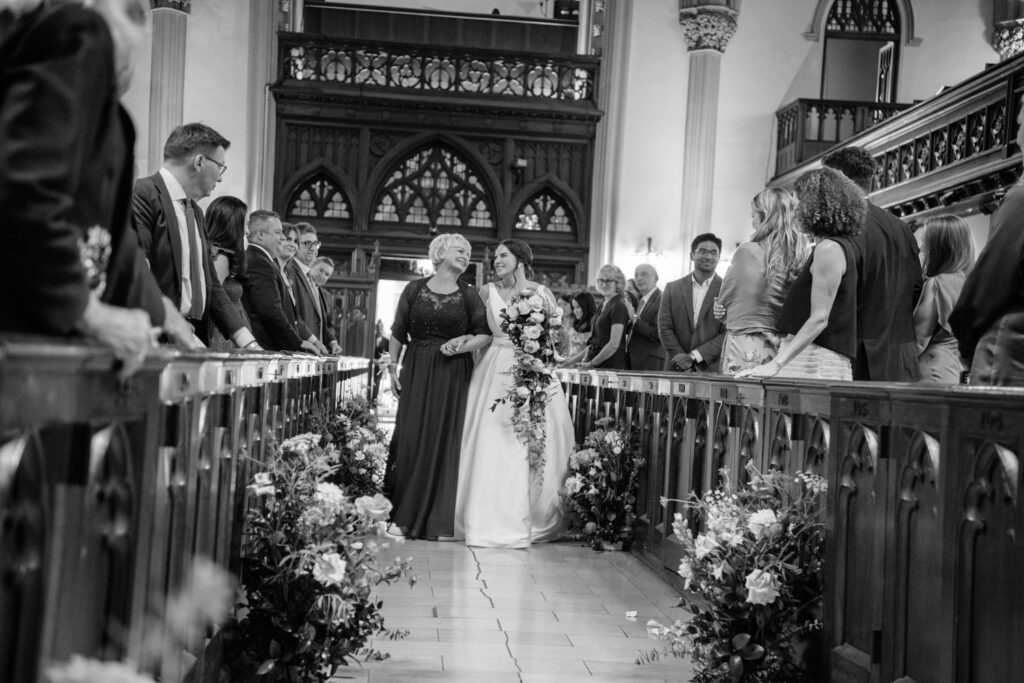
(686, 323)
(889, 282)
(265, 293)
(172, 231)
(65, 184)
(320, 273)
(644, 342)
(308, 302)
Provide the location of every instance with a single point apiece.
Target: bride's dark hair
(524, 255)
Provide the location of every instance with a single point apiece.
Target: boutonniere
(94, 252)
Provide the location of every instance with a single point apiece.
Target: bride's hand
(453, 346)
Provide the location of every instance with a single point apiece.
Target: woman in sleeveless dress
(502, 502)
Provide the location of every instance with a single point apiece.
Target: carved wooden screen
(319, 198)
(849, 18)
(437, 187)
(546, 211)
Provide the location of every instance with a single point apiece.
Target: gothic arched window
(320, 197)
(435, 186)
(861, 54)
(546, 211)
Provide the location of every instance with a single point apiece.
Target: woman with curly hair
(758, 280)
(820, 312)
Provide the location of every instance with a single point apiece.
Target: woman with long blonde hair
(758, 279)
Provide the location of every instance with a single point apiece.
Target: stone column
(167, 75)
(707, 26)
(1008, 28)
(259, 182)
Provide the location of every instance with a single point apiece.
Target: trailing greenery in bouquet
(361, 446)
(309, 564)
(531, 321)
(756, 576)
(602, 486)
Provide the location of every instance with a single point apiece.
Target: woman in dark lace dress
(439, 321)
(225, 231)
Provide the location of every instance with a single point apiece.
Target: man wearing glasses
(308, 303)
(686, 322)
(172, 231)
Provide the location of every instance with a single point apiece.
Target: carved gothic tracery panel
(860, 17)
(319, 198)
(546, 211)
(435, 186)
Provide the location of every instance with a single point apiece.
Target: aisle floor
(554, 612)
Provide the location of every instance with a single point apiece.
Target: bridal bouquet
(756, 576)
(308, 566)
(530, 321)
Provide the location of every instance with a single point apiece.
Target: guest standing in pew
(820, 312)
(643, 343)
(947, 252)
(686, 322)
(988, 318)
(758, 280)
(226, 232)
(584, 310)
(66, 164)
(606, 348)
(889, 281)
(439, 322)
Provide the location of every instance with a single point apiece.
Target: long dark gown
(423, 463)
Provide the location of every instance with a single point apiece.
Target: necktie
(316, 299)
(196, 263)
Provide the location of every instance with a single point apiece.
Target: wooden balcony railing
(452, 70)
(807, 128)
(109, 489)
(925, 522)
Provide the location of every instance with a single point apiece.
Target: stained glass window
(860, 17)
(546, 212)
(435, 187)
(319, 198)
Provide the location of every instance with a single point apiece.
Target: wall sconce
(518, 168)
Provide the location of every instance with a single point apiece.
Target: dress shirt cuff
(242, 337)
(697, 358)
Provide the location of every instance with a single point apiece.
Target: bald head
(646, 278)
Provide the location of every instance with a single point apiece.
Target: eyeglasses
(310, 245)
(706, 252)
(223, 167)
(604, 281)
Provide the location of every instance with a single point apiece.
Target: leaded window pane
(319, 198)
(545, 212)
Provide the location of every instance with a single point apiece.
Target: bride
(501, 501)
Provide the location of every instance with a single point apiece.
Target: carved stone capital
(1008, 38)
(708, 28)
(184, 6)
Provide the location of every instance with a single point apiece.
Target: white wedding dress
(501, 502)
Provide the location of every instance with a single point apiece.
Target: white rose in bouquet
(762, 587)
(760, 521)
(531, 346)
(536, 302)
(537, 317)
(532, 332)
(523, 307)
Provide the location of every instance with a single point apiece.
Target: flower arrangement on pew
(362, 447)
(309, 564)
(531, 322)
(756, 576)
(602, 486)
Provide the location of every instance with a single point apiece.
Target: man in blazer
(888, 285)
(308, 302)
(265, 293)
(320, 273)
(686, 323)
(644, 342)
(172, 231)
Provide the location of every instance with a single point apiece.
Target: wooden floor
(554, 612)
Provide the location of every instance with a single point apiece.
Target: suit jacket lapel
(688, 301)
(171, 221)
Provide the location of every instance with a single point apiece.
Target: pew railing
(109, 488)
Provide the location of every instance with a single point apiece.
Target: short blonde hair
(615, 273)
(440, 245)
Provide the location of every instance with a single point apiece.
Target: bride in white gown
(501, 501)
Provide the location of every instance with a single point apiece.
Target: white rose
(523, 392)
(573, 485)
(329, 570)
(762, 587)
(759, 522)
(532, 332)
(536, 317)
(704, 545)
(531, 346)
(376, 508)
(524, 307)
(536, 302)
(556, 320)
